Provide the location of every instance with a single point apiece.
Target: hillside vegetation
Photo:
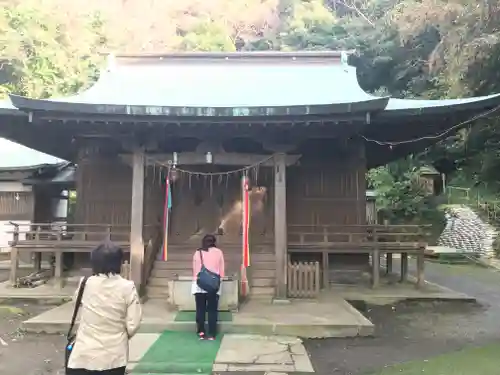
(405, 48)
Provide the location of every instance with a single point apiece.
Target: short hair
(106, 259)
(208, 241)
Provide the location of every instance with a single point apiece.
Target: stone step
(262, 266)
(262, 283)
(154, 291)
(262, 273)
(171, 273)
(262, 291)
(158, 281)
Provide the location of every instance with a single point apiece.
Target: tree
(42, 58)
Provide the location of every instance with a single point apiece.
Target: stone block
(180, 295)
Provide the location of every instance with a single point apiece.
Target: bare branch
(356, 9)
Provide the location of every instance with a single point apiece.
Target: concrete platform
(331, 317)
(390, 292)
(44, 293)
(241, 353)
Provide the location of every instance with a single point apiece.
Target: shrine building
(292, 132)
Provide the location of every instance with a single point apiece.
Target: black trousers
(207, 304)
(81, 371)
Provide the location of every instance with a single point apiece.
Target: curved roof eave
(415, 107)
(240, 85)
(27, 104)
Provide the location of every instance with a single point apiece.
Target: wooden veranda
(374, 240)
(57, 239)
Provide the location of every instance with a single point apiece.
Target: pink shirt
(213, 259)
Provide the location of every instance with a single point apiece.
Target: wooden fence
(303, 279)
(490, 206)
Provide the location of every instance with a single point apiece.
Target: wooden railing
(150, 253)
(44, 234)
(340, 235)
(58, 238)
(375, 240)
(303, 279)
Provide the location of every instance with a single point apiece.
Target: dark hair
(106, 259)
(208, 241)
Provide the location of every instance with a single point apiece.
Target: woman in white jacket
(110, 315)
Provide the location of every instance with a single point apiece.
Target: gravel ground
(418, 330)
(27, 354)
(404, 331)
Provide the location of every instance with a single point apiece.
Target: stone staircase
(261, 274)
(467, 232)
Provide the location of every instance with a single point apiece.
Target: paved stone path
(243, 354)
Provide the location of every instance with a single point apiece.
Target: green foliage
(42, 58)
(400, 194)
(404, 48)
(207, 35)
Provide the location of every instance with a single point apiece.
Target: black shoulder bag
(71, 337)
(207, 280)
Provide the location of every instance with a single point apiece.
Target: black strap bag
(207, 280)
(71, 337)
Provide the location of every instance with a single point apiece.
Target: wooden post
(37, 258)
(14, 256)
(325, 263)
(422, 245)
(420, 268)
(316, 280)
(388, 263)
(280, 225)
(375, 267)
(404, 267)
(375, 260)
(58, 255)
(136, 218)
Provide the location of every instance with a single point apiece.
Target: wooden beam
(224, 158)
(137, 218)
(280, 225)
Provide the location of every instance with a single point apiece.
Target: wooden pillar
(58, 257)
(404, 267)
(376, 268)
(420, 268)
(14, 257)
(280, 225)
(388, 263)
(136, 218)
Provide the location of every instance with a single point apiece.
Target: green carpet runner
(179, 353)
